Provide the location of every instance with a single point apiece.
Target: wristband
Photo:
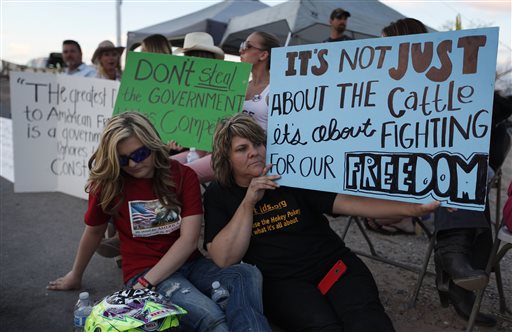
(145, 283)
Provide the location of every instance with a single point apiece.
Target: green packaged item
(134, 310)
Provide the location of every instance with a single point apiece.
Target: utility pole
(118, 21)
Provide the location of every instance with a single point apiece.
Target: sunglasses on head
(137, 156)
(244, 46)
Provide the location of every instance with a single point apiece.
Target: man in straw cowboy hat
(197, 44)
(200, 44)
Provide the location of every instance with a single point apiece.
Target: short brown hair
(241, 125)
(200, 54)
(72, 42)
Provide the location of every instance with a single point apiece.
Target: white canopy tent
(297, 22)
(212, 19)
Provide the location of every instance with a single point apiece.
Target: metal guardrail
(9, 66)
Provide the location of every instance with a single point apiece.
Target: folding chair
(497, 253)
(501, 235)
(495, 183)
(376, 256)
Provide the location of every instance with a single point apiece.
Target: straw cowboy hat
(105, 46)
(200, 41)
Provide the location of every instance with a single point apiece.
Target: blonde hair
(241, 125)
(101, 70)
(156, 44)
(106, 178)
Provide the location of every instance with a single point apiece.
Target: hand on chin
(257, 168)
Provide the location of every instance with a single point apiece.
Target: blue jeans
(190, 286)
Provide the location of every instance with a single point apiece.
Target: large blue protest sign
(404, 118)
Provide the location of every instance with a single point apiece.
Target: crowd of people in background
(275, 274)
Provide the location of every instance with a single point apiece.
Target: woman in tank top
(256, 51)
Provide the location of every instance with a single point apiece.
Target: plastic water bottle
(220, 295)
(192, 155)
(83, 308)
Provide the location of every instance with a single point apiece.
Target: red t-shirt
(146, 230)
(507, 209)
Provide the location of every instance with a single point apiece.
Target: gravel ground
(396, 284)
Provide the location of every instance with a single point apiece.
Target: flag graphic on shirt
(148, 218)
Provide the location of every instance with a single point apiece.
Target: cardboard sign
(184, 97)
(57, 123)
(405, 118)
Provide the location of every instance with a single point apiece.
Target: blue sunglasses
(137, 156)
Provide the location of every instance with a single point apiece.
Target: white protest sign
(57, 122)
(405, 118)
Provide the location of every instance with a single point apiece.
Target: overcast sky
(31, 29)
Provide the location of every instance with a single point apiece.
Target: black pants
(445, 220)
(352, 303)
(475, 224)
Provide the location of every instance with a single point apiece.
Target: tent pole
(288, 38)
(118, 21)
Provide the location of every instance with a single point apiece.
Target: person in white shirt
(256, 50)
(72, 56)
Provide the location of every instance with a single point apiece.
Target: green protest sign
(182, 96)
